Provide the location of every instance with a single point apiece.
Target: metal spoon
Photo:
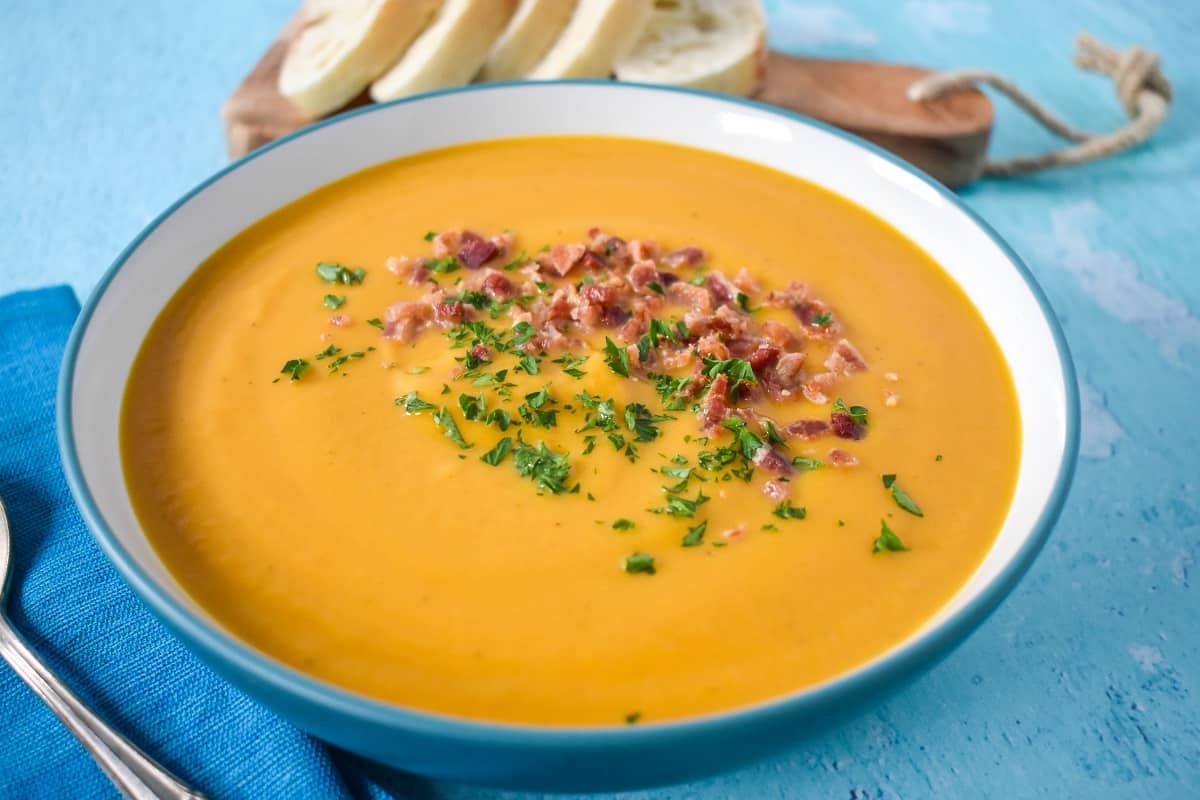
(135, 774)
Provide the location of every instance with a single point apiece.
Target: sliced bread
(346, 44)
(450, 51)
(599, 34)
(529, 35)
(718, 45)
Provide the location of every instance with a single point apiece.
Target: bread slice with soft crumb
(599, 34)
(530, 33)
(344, 45)
(718, 45)
(449, 52)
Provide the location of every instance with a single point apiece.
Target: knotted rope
(1142, 88)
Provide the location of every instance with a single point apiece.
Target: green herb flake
(785, 510)
(642, 423)
(771, 527)
(803, 462)
(331, 272)
(680, 506)
(655, 287)
(333, 301)
(549, 470)
(528, 364)
(822, 319)
(743, 301)
(887, 540)
(904, 501)
(417, 370)
(497, 453)
(413, 404)
(473, 408)
(745, 439)
(616, 357)
(856, 413)
(888, 480)
(430, 235)
(938, 457)
(738, 370)
(632, 717)
(445, 420)
(623, 524)
(640, 562)
(375, 322)
(695, 535)
(571, 364)
(328, 352)
(294, 368)
(442, 266)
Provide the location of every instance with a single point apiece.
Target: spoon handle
(136, 775)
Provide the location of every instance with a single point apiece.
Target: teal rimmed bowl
(117, 316)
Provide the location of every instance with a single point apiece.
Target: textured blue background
(1085, 683)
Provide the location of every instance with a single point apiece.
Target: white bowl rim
(893, 668)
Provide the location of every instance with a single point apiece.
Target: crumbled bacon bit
(643, 249)
(775, 489)
(805, 429)
(744, 280)
(845, 359)
(591, 261)
(779, 335)
(815, 387)
(722, 290)
(715, 407)
(763, 357)
(733, 534)
(684, 256)
(562, 258)
(448, 314)
(475, 251)
(795, 294)
(403, 321)
(503, 241)
(496, 286)
(772, 460)
(446, 243)
(789, 369)
(844, 426)
(409, 269)
(481, 352)
(693, 297)
(841, 458)
(711, 346)
(339, 320)
(642, 273)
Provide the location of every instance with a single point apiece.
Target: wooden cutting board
(947, 138)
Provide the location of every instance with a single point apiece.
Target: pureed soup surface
(636, 567)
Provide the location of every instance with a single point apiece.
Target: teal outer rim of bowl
(894, 669)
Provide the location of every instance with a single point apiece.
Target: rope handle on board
(1142, 88)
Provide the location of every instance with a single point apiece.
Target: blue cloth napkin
(75, 612)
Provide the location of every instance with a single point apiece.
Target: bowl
(136, 287)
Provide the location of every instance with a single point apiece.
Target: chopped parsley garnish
(571, 364)
(616, 357)
(534, 410)
(523, 332)
(938, 457)
(901, 497)
(856, 413)
(695, 535)
(498, 417)
(738, 371)
(632, 717)
(375, 322)
(655, 287)
(657, 330)
(333, 301)
(785, 510)
(442, 266)
(516, 262)
(473, 408)
(887, 540)
(623, 524)
(803, 462)
(417, 370)
(639, 562)
(743, 301)
(822, 319)
(497, 453)
(771, 527)
(445, 420)
(744, 438)
(528, 364)
(600, 416)
(328, 352)
(340, 360)
(430, 236)
(413, 404)
(680, 506)
(772, 434)
(643, 424)
(549, 470)
(295, 368)
(331, 272)
(669, 390)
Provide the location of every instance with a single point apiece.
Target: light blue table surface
(1086, 683)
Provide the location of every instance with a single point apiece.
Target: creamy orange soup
(356, 516)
